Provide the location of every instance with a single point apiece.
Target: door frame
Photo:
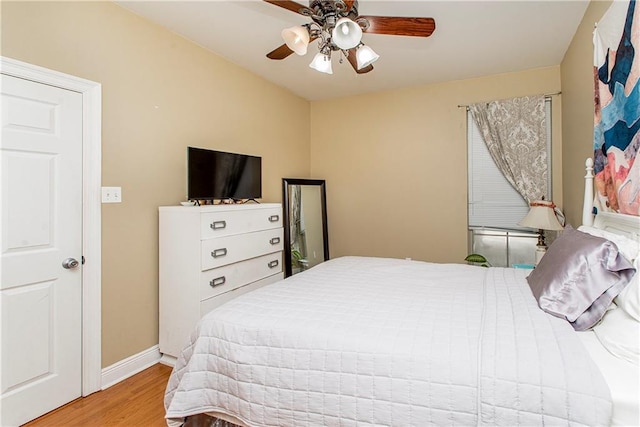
(91, 207)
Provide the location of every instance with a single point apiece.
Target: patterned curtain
(515, 133)
(617, 109)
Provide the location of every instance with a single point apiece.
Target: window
(504, 248)
(495, 207)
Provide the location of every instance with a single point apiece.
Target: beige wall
(160, 94)
(577, 112)
(395, 164)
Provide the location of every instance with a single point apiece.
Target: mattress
(623, 380)
(371, 341)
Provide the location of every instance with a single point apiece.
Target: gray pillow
(578, 278)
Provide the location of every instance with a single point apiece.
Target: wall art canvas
(616, 42)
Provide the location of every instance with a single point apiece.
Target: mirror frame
(286, 182)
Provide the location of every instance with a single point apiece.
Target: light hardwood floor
(136, 401)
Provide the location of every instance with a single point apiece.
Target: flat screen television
(217, 175)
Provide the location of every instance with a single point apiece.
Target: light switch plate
(111, 194)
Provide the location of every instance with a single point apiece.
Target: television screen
(219, 175)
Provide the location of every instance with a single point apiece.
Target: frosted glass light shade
(541, 216)
(346, 34)
(365, 56)
(322, 63)
(296, 38)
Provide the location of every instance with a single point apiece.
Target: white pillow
(628, 247)
(629, 298)
(619, 333)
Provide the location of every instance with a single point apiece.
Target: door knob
(70, 263)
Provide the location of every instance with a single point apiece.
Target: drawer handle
(217, 225)
(273, 264)
(217, 281)
(274, 241)
(274, 218)
(217, 253)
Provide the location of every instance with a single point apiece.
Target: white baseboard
(168, 360)
(130, 366)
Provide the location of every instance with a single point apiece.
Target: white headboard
(627, 225)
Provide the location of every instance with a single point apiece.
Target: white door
(41, 220)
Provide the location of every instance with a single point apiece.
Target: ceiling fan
(339, 27)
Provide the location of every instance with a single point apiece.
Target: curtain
(515, 133)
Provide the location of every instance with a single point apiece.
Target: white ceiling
(472, 39)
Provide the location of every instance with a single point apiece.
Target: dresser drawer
(226, 223)
(230, 249)
(216, 301)
(223, 279)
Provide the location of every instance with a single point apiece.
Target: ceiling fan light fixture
(296, 38)
(346, 34)
(365, 56)
(339, 26)
(322, 62)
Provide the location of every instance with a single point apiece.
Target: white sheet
(363, 341)
(622, 377)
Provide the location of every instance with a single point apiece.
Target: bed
(374, 341)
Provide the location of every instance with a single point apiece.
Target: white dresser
(209, 255)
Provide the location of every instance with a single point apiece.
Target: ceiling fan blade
(400, 26)
(283, 51)
(280, 52)
(289, 5)
(351, 57)
(349, 4)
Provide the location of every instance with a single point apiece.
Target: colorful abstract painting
(617, 109)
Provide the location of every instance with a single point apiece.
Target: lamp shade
(541, 216)
(322, 63)
(365, 56)
(296, 38)
(346, 34)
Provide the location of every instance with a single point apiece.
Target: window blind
(492, 201)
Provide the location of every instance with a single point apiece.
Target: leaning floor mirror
(306, 241)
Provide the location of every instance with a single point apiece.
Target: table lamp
(543, 217)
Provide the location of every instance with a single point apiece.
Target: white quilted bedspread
(386, 342)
